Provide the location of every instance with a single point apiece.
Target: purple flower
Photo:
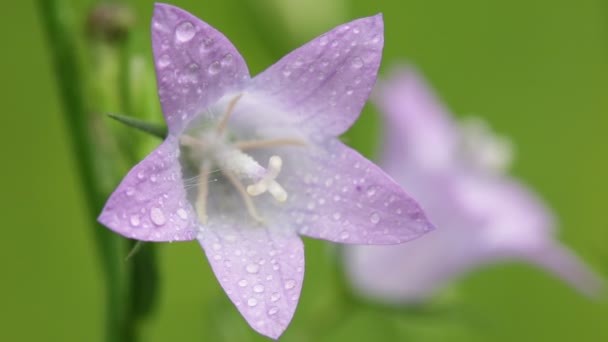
(455, 172)
(251, 163)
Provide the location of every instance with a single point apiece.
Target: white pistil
(253, 144)
(268, 183)
(241, 190)
(203, 191)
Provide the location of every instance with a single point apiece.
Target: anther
(268, 183)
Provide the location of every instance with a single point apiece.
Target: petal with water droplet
(326, 85)
(191, 67)
(372, 208)
(138, 208)
(265, 273)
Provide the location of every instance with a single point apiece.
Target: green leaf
(144, 126)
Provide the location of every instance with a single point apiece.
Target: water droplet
(374, 217)
(135, 220)
(206, 45)
(163, 61)
(349, 90)
(141, 175)
(130, 191)
(217, 257)
(321, 201)
(323, 40)
(273, 310)
(243, 283)
(227, 59)
(185, 31)
(216, 246)
(258, 288)
(286, 72)
(214, 68)
(356, 63)
(356, 30)
(157, 216)
(275, 297)
(252, 302)
(252, 268)
(153, 178)
(182, 213)
(290, 284)
(337, 216)
(371, 191)
(337, 198)
(310, 206)
(329, 182)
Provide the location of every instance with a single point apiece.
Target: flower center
(482, 148)
(211, 148)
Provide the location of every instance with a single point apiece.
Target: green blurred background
(536, 70)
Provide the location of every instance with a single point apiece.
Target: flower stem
(60, 31)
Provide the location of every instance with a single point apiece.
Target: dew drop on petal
(163, 61)
(357, 63)
(227, 59)
(275, 297)
(157, 216)
(216, 246)
(258, 288)
(252, 268)
(130, 191)
(336, 216)
(252, 302)
(214, 68)
(135, 220)
(374, 217)
(184, 32)
(243, 283)
(344, 235)
(290, 284)
(182, 213)
(273, 310)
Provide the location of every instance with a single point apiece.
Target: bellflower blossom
(250, 163)
(456, 173)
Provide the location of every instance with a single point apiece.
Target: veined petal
(326, 82)
(195, 64)
(338, 195)
(150, 203)
(261, 271)
(418, 129)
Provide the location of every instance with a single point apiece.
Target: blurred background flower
(537, 72)
(457, 171)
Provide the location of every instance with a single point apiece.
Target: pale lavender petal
(195, 64)
(150, 203)
(261, 271)
(419, 131)
(411, 272)
(326, 82)
(566, 265)
(338, 195)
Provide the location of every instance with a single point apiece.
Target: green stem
(60, 34)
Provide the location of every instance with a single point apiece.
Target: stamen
(253, 144)
(241, 189)
(203, 192)
(187, 140)
(268, 183)
(229, 110)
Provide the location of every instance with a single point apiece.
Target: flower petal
(338, 195)
(195, 64)
(326, 82)
(411, 272)
(261, 271)
(417, 126)
(566, 265)
(150, 203)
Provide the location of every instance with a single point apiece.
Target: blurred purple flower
(456, 173)
(207, 182)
